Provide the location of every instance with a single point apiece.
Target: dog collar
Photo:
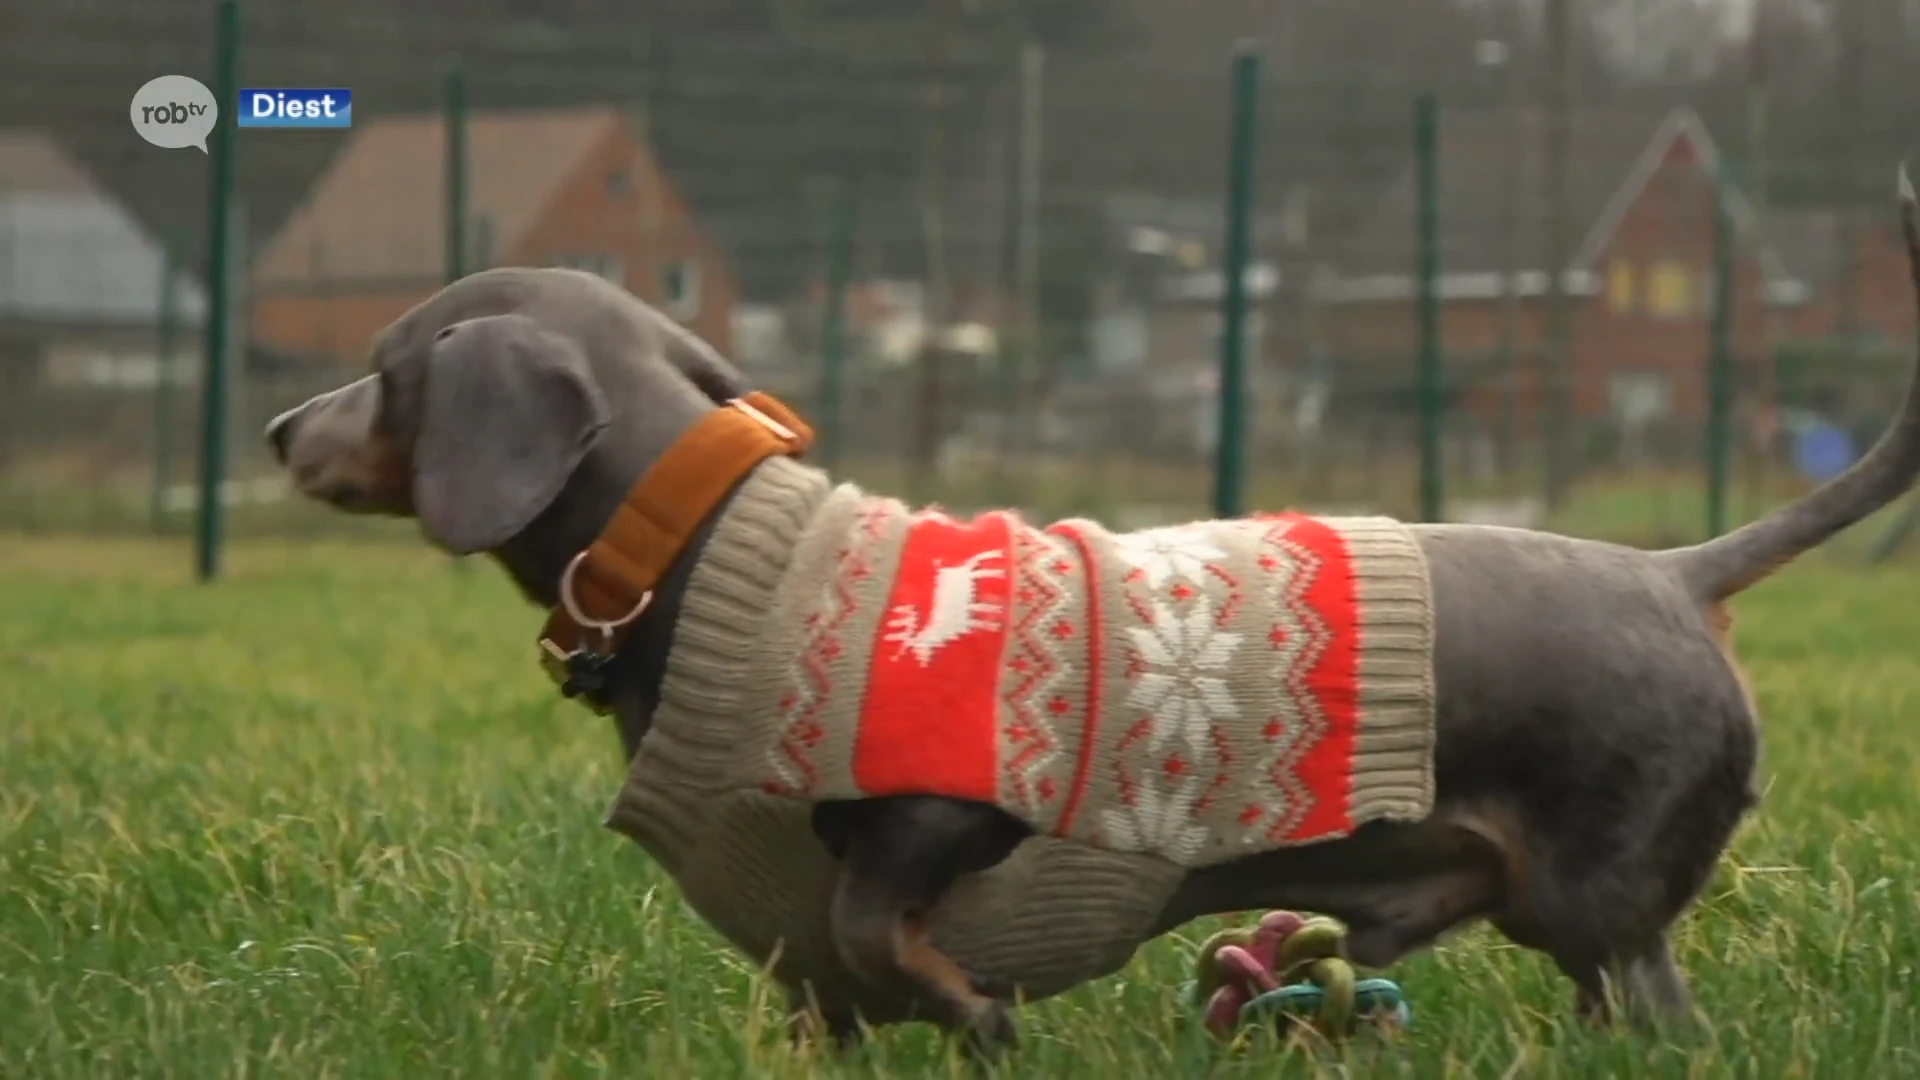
(606, 586)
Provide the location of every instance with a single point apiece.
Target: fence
(1003, 278)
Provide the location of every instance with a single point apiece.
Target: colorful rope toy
(1289, 969)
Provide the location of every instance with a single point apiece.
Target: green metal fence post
(1426, 127)
(453, 104)
(454, 90)
(1229, 466)
(165, 342)
(217, 327)
(833, 330)
(1720, 362)
(239, 304)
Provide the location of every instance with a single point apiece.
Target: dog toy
(1293, 970)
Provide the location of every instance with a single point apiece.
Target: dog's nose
(280, 433)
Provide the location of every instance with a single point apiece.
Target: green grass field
(326, 818)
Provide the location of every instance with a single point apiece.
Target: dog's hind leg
(898, 857)
(1623, 836)
(1651, 984)
(1604, 916)
(1642, 981)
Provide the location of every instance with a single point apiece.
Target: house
(1333, 326)
(560, 187)
(1640, 279)
(80, 278)
(80, 309)
(1814, 244)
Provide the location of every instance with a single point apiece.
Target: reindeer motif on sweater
(955, 609)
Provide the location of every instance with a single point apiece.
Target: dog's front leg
(898, 857)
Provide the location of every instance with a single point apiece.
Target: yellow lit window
(1620, 286)
(1672, 292)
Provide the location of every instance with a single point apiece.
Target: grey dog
(1596, 739)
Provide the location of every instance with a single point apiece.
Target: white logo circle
(175, 111)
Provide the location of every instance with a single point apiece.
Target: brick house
(1812, 243)
(560, 187)
(1641, 278)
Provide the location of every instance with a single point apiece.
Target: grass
(327, 819)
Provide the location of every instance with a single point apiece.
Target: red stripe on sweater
(1096, 641)
(928, 721)
(1327, 768)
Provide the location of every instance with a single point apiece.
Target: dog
(1595, 738)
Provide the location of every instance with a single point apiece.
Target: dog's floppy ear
(701, 363)
(510, 410)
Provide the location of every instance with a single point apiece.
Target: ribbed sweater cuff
(706, 688)
(1393, 751)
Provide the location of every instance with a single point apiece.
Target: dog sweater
(1149, 702)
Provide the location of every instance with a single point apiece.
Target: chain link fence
(1026, 207)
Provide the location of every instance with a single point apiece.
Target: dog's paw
(991, 1033)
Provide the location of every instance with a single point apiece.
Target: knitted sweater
(1148, 702)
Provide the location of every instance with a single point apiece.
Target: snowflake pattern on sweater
(1196, 692)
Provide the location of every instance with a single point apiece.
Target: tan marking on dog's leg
(891, 950)
(986, 1022)
(1500, 827)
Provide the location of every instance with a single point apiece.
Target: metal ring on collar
(574, 612)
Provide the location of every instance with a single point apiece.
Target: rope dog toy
(1289, 969)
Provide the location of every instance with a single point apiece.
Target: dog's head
(485, 399)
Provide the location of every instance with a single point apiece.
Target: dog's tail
(1725, 565)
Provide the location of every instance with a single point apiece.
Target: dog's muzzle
(279, 433)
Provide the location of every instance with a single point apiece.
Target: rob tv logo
(266, 107)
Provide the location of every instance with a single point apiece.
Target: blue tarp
(1822, 451)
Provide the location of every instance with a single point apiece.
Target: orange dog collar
(606, 586)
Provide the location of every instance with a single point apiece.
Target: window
(680, 288)
(1639, 398)
(1673, 291)
(607, 266)
(1120, 340)
(1621, 287)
